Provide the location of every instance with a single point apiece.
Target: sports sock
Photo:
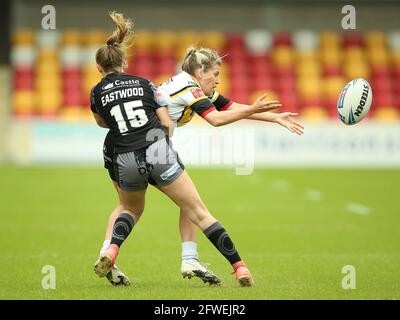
(105, 246)
(122, 228)
(189, 250)
(216, 233)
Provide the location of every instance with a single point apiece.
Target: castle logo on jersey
(197, 92)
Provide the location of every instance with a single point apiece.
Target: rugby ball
(354, 101)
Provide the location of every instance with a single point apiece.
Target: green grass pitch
(295, 229)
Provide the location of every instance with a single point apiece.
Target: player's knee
(136, 213)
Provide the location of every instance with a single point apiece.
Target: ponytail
(203, 58)
(112, 55)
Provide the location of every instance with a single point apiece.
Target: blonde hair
(112, 54)
(203, 58)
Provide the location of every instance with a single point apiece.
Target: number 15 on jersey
(134, 114)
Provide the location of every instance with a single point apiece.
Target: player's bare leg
(115, 276)
(184, 193)
(190, 265)
(133, 208)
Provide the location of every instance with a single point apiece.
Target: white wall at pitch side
(242, 146)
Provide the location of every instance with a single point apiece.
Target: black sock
(221, 240)
(122, 228)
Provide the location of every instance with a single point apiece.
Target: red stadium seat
(332, 70)
(23, 78)
(235, 41)
(382, 85)
(312, 101)
(380, 72)
(285, 84)
(289, 102)
(306, 80)
(238, 70)
(236, 55)
(353, 39)
(283, 39)
(383, 100)
(331, 107)
(240, 96)
(281, 72)
(73, 98)
(261, 82)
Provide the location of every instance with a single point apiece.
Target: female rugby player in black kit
(125, 104)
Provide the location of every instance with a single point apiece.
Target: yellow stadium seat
(271, 95)
(24, 101)
(283, 56)
(23, 38)
(162, 78)
(89, 83)
(164, 40)
(331, 57)
(48, 103)
(185, 40)
(332, 86)
(378, 57)
(143, 40)
(330, 40)
(307, 57)
(376, 40)
(72, 38)
(48, 83)
(73, 115)
(47, 55)
(387, 114)
(95, 38)
(395, 56)
(308, 69)
(356, 70)
(314, 114)
(48, 68)
(225, 70)
(45, 99)
(49, 71)
(214, 40)
(90, 69)
(354, 54)
(224, 86)
(309, 87)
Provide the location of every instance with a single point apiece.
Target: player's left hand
(286, 120)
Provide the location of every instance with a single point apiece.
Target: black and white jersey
(185, 97)
(126, 104)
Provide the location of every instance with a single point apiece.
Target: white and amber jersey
(185, 97)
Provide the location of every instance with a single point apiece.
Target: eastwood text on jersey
(120, 94)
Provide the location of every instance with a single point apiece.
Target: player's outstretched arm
(217, 119)
(285, 119)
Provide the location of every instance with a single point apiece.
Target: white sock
(189, 250)
(105, 246)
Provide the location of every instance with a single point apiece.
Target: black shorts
(110, 163)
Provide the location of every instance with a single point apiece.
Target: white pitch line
(314, 195)
(358, 209)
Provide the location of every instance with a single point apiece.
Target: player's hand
(260, 105)
(286, 120)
